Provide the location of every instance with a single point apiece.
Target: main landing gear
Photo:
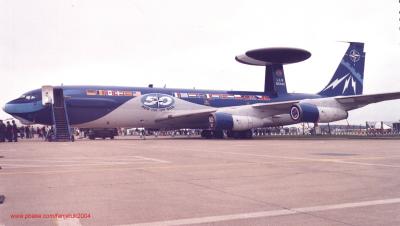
(209, 134)
(219, 134)
(246, 134)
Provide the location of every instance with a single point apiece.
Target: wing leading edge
(357, 101)
(186, 114)
(186, 119)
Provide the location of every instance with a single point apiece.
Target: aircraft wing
(275, 105)
(199, 118)
(275, 108)
(191, 118)
(357, 101)
(186, 114)
(349, 102)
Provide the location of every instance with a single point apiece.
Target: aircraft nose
(6, 108)
(11, 108)
(15, 107)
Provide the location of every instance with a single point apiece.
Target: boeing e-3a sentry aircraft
(214, 111)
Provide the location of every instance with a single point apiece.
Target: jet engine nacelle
(305, 112)
(225, 121)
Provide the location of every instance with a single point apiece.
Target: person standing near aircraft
(2, 131)
(43, 131)
(32, 132)
(27, 132)
(14, 131)
(21, 132)
(9, 132)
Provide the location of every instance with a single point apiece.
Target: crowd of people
(10, 132)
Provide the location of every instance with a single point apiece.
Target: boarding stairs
(62, 131)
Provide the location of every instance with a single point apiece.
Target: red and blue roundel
(157, 101)
(295, 113)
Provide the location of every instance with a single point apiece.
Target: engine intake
(225, 121)
(305, 112)
(220, 121)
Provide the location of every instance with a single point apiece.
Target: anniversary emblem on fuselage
(157, 102)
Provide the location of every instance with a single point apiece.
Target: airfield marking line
(37, 160)
(41, 163)
(20, 166)
(142, 168)
(71, 161)
(151, 159)
(64, 165)
(68, 222)
(376, 157)
(111, 158)
(308, 159)
(266, 156)
(263, 214)
(366, 164)
(73, 164)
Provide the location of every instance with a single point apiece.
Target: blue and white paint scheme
(236, 112)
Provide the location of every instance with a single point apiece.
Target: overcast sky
(186, 44)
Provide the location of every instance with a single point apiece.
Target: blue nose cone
(6, 108)
(13, 107)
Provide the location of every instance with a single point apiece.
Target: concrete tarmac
(161, 181)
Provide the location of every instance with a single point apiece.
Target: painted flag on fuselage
(91, 92)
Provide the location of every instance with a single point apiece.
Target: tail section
(275, 83)
(349, 76)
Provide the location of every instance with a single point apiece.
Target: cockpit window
(28, 97)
